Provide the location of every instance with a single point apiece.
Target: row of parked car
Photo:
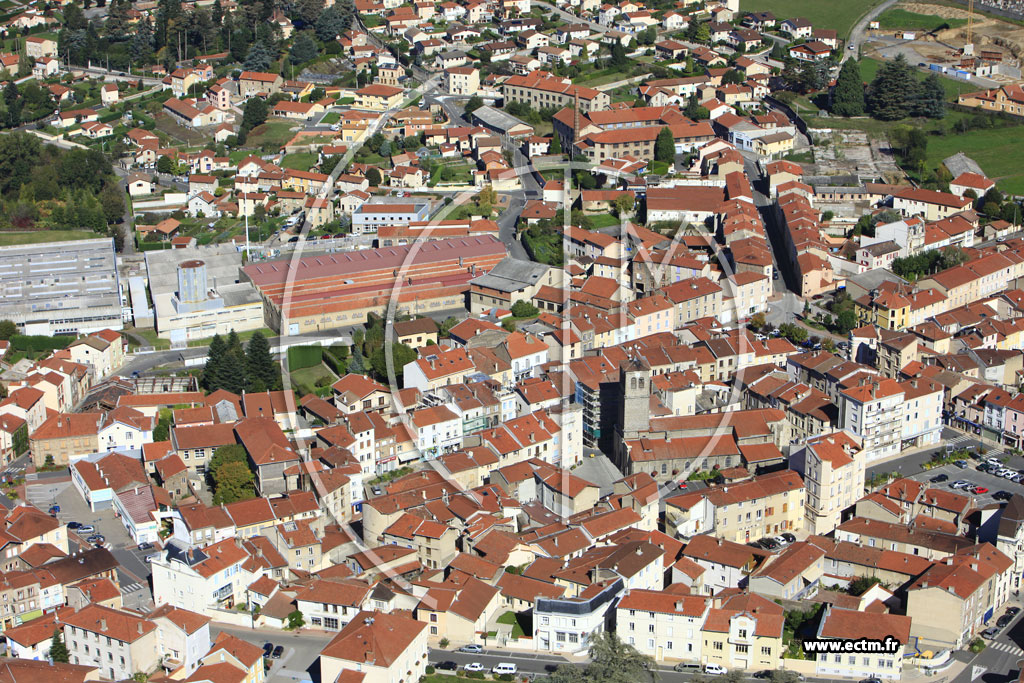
(774, 543)
(1001, 623)
(995, 467)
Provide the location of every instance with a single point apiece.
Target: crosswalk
(131, 588)
(1006, 647)
(961, 440)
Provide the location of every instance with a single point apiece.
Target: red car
(682, 484)
(979, 490)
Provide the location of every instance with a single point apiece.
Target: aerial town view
(557, 341)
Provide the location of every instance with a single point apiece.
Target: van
(504, 668)
(715, 669)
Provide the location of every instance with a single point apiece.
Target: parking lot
(987, 480)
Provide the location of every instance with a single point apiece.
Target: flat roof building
(61, 287)
(336, 290)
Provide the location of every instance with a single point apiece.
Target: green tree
(254, 113)
(509, 324)
(846, 320)
(295, 620)
(261, 369)
(227, 454)
(401, 355)
(259, 57)
(330, 24)
(233, 482)
(165, 164)
(472, 104)
(162, 431)
(524, 309)
(665, 146)
(556, 144)
(931, 99)
(58, 650)
(303, 49)
(445, 328)
(210, 379)
(611, 661)
(112, 199)
(373, 177)
(623, 204)
(619, 57)
(308, 10)
(893, 90)
(848, 97)
(8, 329)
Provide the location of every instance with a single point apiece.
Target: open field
(273, 133)
(300, 161)
(898, 18)
(39, 236)
(840, 16)
(305, 379)
(997, 150)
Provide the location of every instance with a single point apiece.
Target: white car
(960, 484)
(780, 540)
(504, 668)
(474, 666)
(715, 670)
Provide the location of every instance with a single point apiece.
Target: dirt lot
(989, 33)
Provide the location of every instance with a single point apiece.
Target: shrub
(304, 357)
(429, 669)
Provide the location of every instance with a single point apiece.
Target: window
(742, 649)
(718, 645)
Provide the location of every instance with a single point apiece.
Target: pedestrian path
(131, 588)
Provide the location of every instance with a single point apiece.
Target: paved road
(913, 463)
(1000, 661)
(572, 18)
(858, 33)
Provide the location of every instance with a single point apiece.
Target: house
(119, 643)
(377, 97)
(139, 184)
(663, 625)
(382, 647)
(256, 82)
(109, 94)
(796, 28)
(893, 630)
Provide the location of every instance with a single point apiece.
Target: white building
(566, 624)
(198, 579)
(662, 625)
(893, 630)
(873, 412)
(833, 470)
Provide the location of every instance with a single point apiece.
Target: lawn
(149, 334)
(603, 220)
(304, 380)
(997, 150)
(300, 161)
(242, 336)
(840, 16)
(275, 133)
(510, 618)
(39, 236)
(902, 19)
(330, 117)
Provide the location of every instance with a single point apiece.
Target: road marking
(977, 671)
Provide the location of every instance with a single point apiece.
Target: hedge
(304, 357)
(37, 343)
(334, 363)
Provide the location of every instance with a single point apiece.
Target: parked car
(684, 667)
(95, 538)
(770, 544)
(448, 665)
(145, 546)
(713, 669)
(267, 649)
(978, 490)
(473, 666)
(153, 558)
(74, 526)
(1002, 495)
(504, 668)
(472, 648)
(1013, 611)
(990, 632)
(960, 484)
(1004, 620)
(85, 528)
(962, 464)
(780, 540)
(790, 538)
(278, 651)
(939, 478)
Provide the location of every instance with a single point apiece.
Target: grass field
(330, 117)
(273, 132)
(997, 150)
(902, 19)
(39, 236)
(603, 220)
(840, 16)
(300, 161)
(305, 379)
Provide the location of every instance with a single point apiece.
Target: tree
(254, 114)
(757, 321)
(524, 309)
(308, 10)
(623, 204)
(892, 90)
(931, 99)
(165, 164)
(848, 97)
(8, 329)
(261, 370)
(226, 455)
(618, 57)
(445, 328)
(210, 379)
(509, 324)
(472, 104)
(665, 146)
(295, 620)
(303, 49)
(259, 57)
(330, 24)
(112, 199)
(846, 320)
(611, 661)
(556, 144)
(233, 481)
(373, 177)
(400, 354)
(58, 650)
(694, 110)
